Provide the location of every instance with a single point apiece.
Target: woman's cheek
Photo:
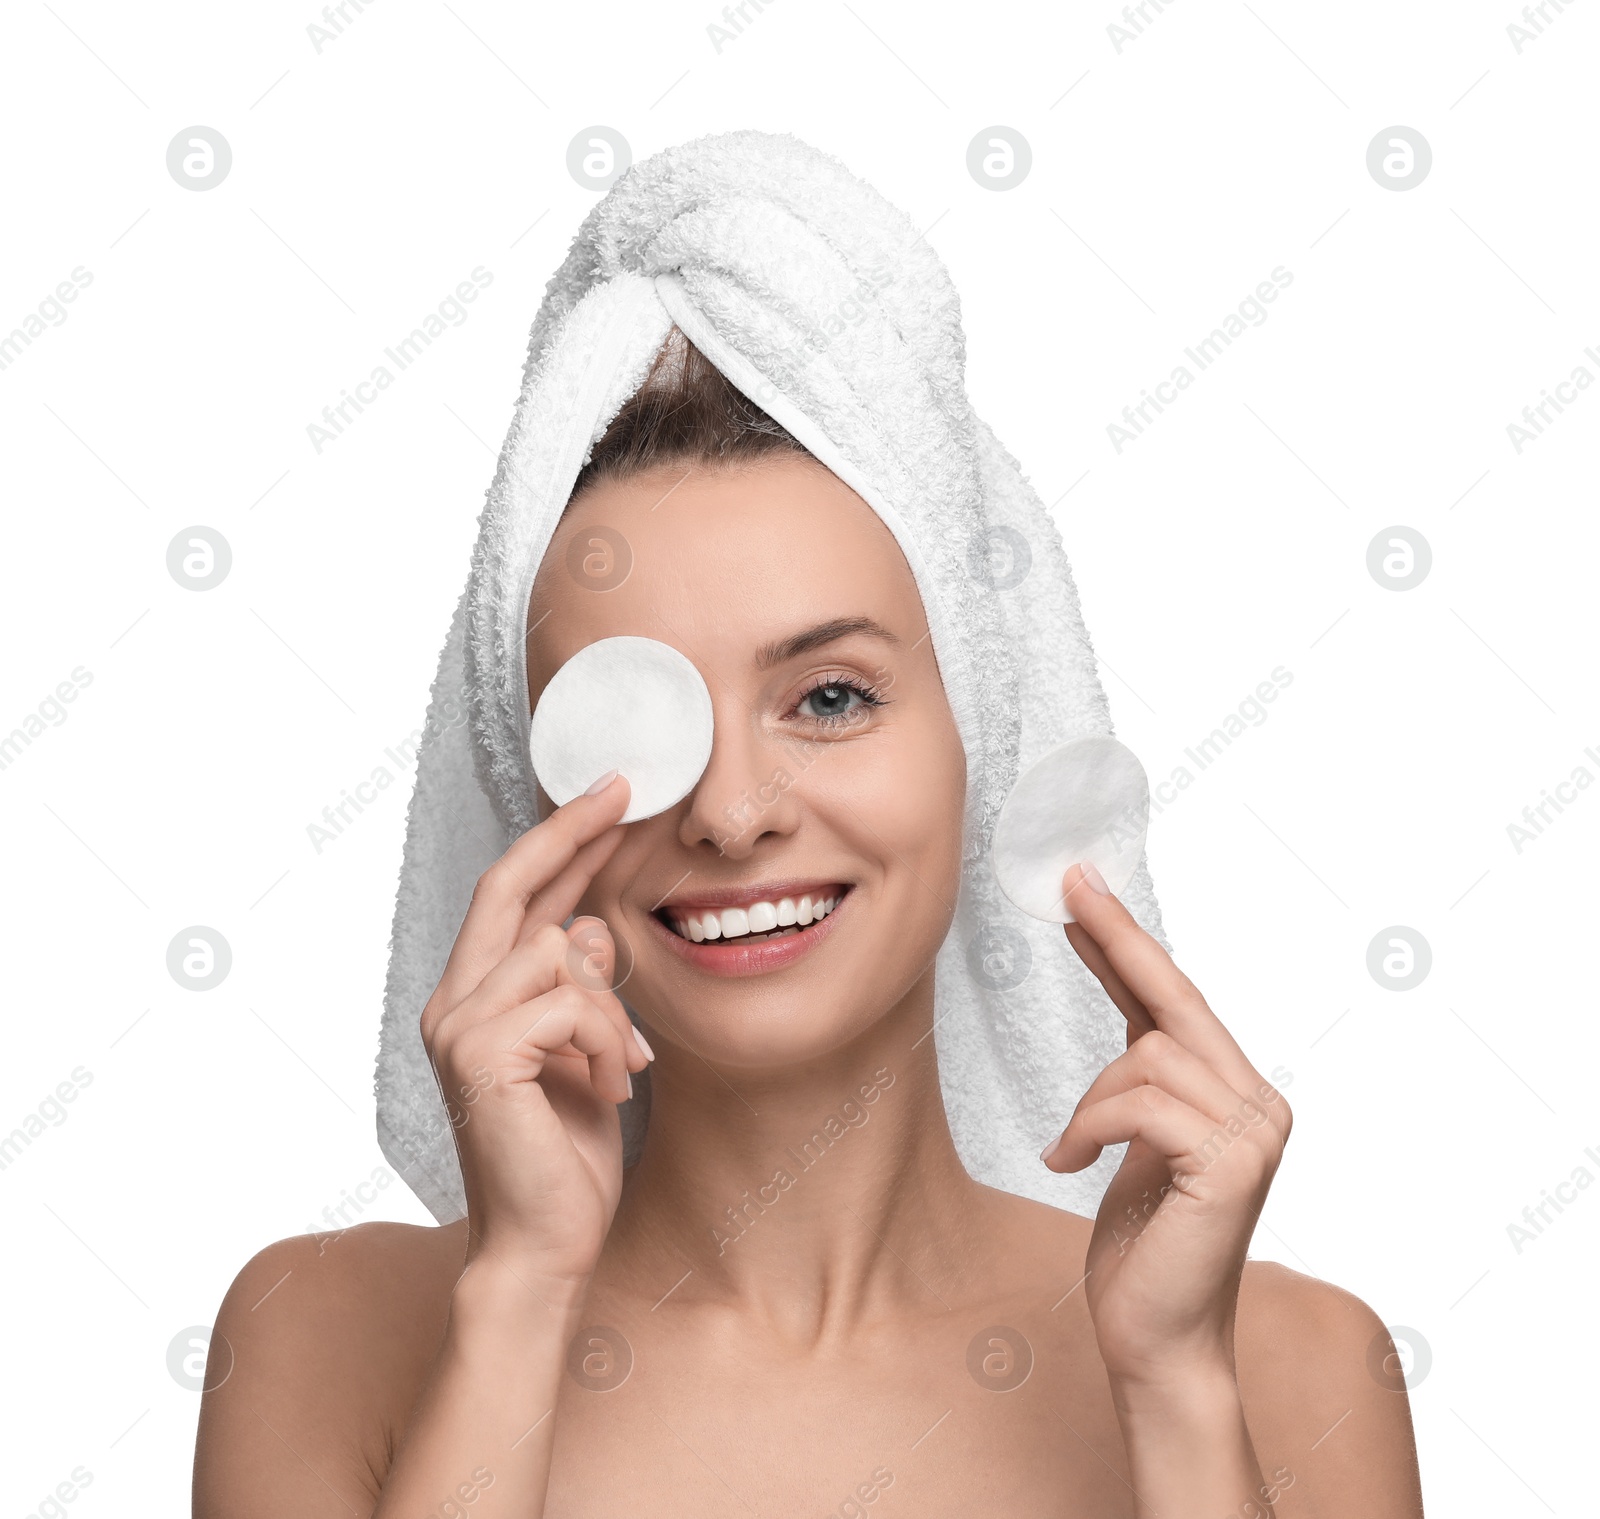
(900, 797)
(929, 794)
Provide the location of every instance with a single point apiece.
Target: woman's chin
(771, 1034)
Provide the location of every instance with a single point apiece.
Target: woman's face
(836, 770)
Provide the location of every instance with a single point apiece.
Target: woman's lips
(751, 957)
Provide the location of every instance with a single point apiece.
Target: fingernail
(629, 1075)
(601, 784)
(1095, 879)
(644, 1044)
(1050, 1149)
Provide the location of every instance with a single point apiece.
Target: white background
(1167, 180)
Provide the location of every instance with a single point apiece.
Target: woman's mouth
(756, 936)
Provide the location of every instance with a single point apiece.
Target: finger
(592, 963)
(524, 972)
(548, 959)
(1157, 1059)
(1171, 999)
(591, 1032)
(591, 952)
(558, 900)
(1131, 1008)
(503, 893)
(1170, 1127)
(535, 1032)
(1137, 1187)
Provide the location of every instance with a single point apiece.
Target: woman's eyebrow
(783, 649)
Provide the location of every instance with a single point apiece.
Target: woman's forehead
(748, 556)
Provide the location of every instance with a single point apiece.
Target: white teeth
(755, 918)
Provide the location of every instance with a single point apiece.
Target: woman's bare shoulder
(1324, 1391)
(1318, 1375)
(319, 1349)
(1295, 1334)
(375, 1280)
(376, 1276)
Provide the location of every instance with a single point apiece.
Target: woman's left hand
(1205, 1133)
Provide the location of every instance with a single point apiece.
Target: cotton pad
(631, 704)
(1087, 801)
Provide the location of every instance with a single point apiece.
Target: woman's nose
(746, 789)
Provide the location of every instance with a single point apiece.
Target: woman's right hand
(533, 1051)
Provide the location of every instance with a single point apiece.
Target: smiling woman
(809, 937)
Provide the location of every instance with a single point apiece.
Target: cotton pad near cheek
(1087, 801)
(630, 704)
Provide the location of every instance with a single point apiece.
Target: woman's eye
(830, 701)
(837, 702)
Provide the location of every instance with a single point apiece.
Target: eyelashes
(834, 687)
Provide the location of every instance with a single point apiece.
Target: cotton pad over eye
(631, 704)
(1087, 801)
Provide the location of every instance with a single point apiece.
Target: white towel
(819, 301)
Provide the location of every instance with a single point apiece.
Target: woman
(874, 1330)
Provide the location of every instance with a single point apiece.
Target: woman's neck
(808, 1198)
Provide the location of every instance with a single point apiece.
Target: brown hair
(686, 411)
